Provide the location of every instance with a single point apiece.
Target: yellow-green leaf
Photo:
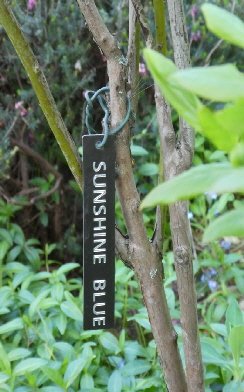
(224, 24)
(215, 177)
(221, 137)
(229, 224)
(220, 83)
(185, 102)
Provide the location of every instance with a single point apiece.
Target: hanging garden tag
(98, 232)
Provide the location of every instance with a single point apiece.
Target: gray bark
(144, 256)
(177, 158)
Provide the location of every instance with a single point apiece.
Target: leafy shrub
(43, 346)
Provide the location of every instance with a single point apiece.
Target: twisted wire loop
(90, 96)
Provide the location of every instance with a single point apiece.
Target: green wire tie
(89, 108)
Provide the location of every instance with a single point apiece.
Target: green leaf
(73, 370)
(35, 305)
(229, 224)
(18, 353)
(148, 169)
(51, 389)
(211, 356)
(13, 325)
(236, 341)
(32, 255)
(215, 177)
(224, 24)
(133, 350)
(48, 303)
(220, 83)
(4, 360)
(37, 181)
(88, 355)
(219, 328)
(61, 322)
(233, 386)
(53, 375)
(57, 291)
(71, 310)
(29, 365)
(3, 378)
(138, 150)
(236, 156)
(44, 219)
(65, 348)
(91, 390)
(4, 247)
(66, 268)
(232, 117)
(110, 342)
(138, 366)
(25, 296)
(6, 236)
(181, 99)
(41, 276)
(142, 319)
(122, 339)
(144, 384)
(86, 381)
(115, 382)
(234, 316)
(221, 137)
(13, 253)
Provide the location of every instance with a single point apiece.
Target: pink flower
(31, 4)
(196, 36)
(23, 112)
(18, 105)
(31, 139)
(84, 93)
(193, 11)
(142, 69)
(104, 58)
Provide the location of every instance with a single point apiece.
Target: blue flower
(121, 364)
(212, 284)
(225, 244)
(211, 195)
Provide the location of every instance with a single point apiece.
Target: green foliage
(213, 177)
(229, 361)
(43, 346)
(218, 83)
(229, 224)
(223, 24)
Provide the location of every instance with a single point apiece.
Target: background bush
(43, 346)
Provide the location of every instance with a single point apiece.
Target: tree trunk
(177, 158)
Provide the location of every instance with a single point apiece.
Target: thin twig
(143, 23)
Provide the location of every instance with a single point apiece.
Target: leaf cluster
(224, 128)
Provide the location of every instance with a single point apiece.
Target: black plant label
(98, 232)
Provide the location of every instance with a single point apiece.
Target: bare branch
(133, 56)
(122, 248)
(182, 60)
(143, 255)
(143, 23)
(44, 165)
(106, 42)
(37, 157)
(207, 60)
(176, 162)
